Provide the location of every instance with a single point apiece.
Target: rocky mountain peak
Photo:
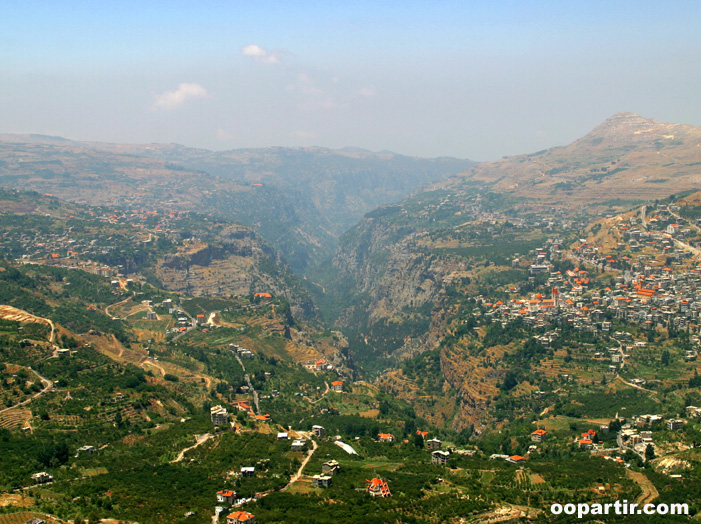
(623, 126)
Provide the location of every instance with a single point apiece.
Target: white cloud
(185, 91)
(259, 54)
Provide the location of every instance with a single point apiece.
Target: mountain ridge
(317, 193)
(627, 156)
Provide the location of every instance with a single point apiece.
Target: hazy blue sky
(470, 79)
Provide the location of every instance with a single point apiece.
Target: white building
(219, 415)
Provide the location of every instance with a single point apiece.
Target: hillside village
(630, 284)
(641, 288)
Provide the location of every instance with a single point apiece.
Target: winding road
(306, 460)
(22, 316)
(649, 491)
(107, 309)
(321, 397)
(248, 381)
(200, 439)
(48, 386)
(634, 385)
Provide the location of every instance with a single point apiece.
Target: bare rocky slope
(627, 158)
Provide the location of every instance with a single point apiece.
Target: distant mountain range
(299, 199)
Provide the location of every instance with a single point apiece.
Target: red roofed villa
(377, 488)
(241, 517)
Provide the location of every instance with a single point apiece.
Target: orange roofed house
(385, 437)
(320, 364)
(378, 488)
(337, 386)
(241, 517)
(538, 435)
(227, 496)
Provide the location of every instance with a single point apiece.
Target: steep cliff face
(387, 282)
(457, 395)
(474, 383)
(238, 262)
(386, 290)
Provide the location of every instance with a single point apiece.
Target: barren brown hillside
(627, 157)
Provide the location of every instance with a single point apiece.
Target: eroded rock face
(239, 263)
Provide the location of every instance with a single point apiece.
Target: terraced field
(15, 418)
(23, 516)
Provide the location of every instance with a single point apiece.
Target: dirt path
(634, 385)
(299, 472)
(48, 386)
(140, 310)
(649, 493)
(201, 439)
(178, 371)
(247, 378)
(24, 317)
(160, 368)
(107, 309)
(321, 397)
(546, 411)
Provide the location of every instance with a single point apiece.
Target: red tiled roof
(241, 516)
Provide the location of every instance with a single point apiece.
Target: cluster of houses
(226, 500)
(375, 487)
(438, 455)
(220, 415)
(68, 249)
(242, 352)
(646, 296)
(643, 293)
(328, 470)
(635, 436)
(319, 364)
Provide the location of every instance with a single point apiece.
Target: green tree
(418, 441)
(384, 407)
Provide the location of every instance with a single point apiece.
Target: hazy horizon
(468, 80)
